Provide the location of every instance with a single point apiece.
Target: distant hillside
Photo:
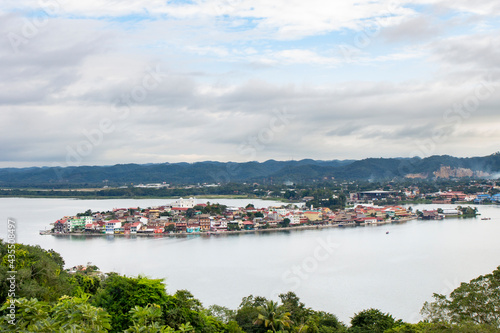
(303, 171)
(389, 168)
(171, 173)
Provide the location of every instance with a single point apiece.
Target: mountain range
(302, 171)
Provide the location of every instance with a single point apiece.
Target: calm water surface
(340, 270)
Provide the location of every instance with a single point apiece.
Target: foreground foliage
(48, 299)
(476, 302)
(69, 314)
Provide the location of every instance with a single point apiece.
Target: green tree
(40, 273)
(182, 308)
(424, 327)
(72, 313)
(233, 327)
(325, 323)
(247, 313)
(31, 316)
(85, 284)
(222, 313)
(468, 211)
(233, 227)
(190, 212)
(285, 223)
(290, 194)
(69, 314)
(371, 321)
(477, 302)
(147, 320)
(299, 314)
(170, 228)
(273, 316)
(88, 212)
(120, 294)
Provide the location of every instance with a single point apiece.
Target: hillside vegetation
(304, 171)
(50, 299)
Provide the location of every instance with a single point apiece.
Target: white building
(281, 211)
(184, 203)
(451, 212)
(294, 219)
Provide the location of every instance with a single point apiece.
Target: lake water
(340, 270)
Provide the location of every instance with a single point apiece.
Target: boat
(486, 218)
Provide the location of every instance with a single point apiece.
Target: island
(185, 216)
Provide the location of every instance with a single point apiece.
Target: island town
(186, 216)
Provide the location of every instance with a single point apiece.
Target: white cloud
(480, 7)
(294, 19)
(228, 65)
(285, 19)
(295, 56)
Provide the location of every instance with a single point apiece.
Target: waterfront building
(482, 198)
(78, 223)
(60, 226)
(111, 225)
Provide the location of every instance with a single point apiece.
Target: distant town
(186, 216)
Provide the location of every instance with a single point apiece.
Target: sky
(107, 82)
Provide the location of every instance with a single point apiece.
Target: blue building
(192, 229)
(496, 198)
(482, 198)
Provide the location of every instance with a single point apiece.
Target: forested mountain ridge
(303, 171)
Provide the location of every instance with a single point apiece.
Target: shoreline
(227, 233)
(214, 197)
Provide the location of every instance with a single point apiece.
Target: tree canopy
(477, 301)
(49, 299)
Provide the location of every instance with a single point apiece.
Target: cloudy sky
(105, 82)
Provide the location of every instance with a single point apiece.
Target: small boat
(486, 218)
